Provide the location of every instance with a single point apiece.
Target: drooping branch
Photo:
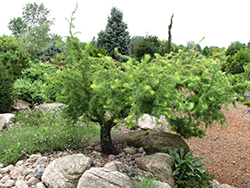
(169, 34)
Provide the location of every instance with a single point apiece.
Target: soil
(227, 152)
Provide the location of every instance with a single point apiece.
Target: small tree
(115, 36)
(190, 93)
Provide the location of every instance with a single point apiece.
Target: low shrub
(189, 172)
(28, 91)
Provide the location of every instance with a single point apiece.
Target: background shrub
(6, 87)
(50, 52)
(29, 91)
(235, 63)
(35, 85)
(12, 57)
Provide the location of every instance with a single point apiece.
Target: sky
(220, 21)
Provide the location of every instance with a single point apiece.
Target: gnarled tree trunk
(106, 141)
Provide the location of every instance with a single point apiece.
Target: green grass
(38, 131)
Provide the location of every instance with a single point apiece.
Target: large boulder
(66, 171)
(155, 142)
(160, 164)
(5, 119)
(103, 177)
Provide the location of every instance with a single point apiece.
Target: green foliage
(29, 91)
(6, 87)
(149, 45)
(33, 15)
(36, 86)
(12, 56)
(189, 171)
(240, 82)
(36, 39)
(42, 131)
(206, 51)
(115, 36)
(146, 182)
(33, 28)
(50, 52)
(190, 91)
(235, 64)
(234, 47)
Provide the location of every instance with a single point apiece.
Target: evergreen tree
(115, 36)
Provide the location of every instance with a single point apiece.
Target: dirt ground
(227, 152)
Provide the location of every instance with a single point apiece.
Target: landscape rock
(5, 119)
(50, 106)
(224, 186)
(6, 169)
(66, 171)
(112, 166)
(38, 173)
(21, 105)
(102, 177)
(160, 164)
(128, 150)
(150, 122)
(247, 95)
(155, 142)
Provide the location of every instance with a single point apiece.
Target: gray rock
(38, 173)
(51, 106)
(247, 95)
(112, 166)
(224, 186)
(111, 157)
(5, 119)
(141, 150)
(41, 160)
(66, 171)
(6, 169)
(27, 171)
(32, 181)
(150, 122)
(102, 177)
(155, 142)
(120, 155)
(21, 105)
(160, 164)
(215, 183)
(40, 185)
(4, 179)
(128, 150)
(9, 183)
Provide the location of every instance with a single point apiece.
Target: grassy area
(40, 131)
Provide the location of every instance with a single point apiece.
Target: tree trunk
(106, 141)
(169, 34)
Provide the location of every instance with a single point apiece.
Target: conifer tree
(115, 36)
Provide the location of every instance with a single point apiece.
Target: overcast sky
(220, 21)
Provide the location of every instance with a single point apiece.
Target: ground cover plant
(189, 171)
(42, 131)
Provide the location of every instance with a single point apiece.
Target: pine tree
(115, 36)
